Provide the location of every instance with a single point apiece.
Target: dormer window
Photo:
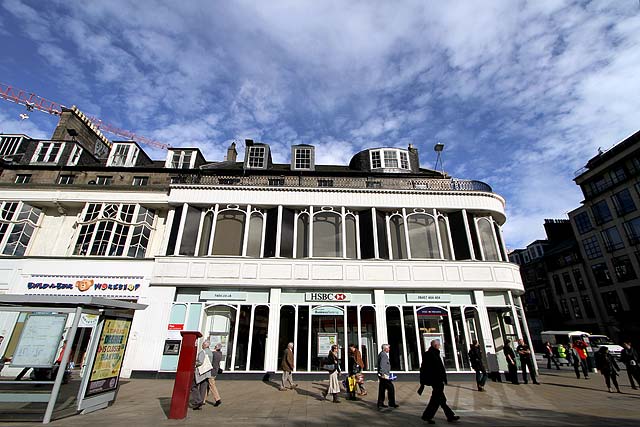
(257, 157)
(124, 154)
(75, 156)
(390, 158)
(181, 159)
(47, 152)
(302, 157)
(9, 145)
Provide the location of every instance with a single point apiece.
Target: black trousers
(634, 373)
(438, 400)
(581, 363)
(528, 364)
(386, 385)
(610, 377)
(552, 358)
(513, 373)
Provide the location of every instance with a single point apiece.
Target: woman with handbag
(354, 370)
(361, 368)
(333, 367)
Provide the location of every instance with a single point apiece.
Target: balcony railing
(447, 184)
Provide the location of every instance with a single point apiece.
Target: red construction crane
(34, 102)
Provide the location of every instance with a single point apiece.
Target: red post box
(184, 375)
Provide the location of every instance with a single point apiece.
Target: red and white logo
(340, 297)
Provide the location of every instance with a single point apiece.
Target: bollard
(184, 375)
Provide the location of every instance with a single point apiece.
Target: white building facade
(255, 255)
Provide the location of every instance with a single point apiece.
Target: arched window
(302, 236)
(254, 241)
(205, 234)
(444, 237)
(350, 226)
(396, 234)
(423, 237)
(487, 241)
(327, 234)
(229, 233)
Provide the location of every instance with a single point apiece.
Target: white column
(252, 320)
(309, 342)
(359, 343)
(235, 339)
(310, 236)
(406, 232)
(168, 225)
(295, 340)
(346, 339)
(279, 231)
(374, 217)
(183, 218)
(514, 313)
(418, 340)
(213, 229)
(495, 240)
(381, 319)
(468, 231)
(196, 251)
(485, 325)
(453, 340)
(271, 347)
(245, 237)
(295, 236)
(358, 254)
(404, 339)
(526, 335)
(465, 328)
(504, 245)
(453, 253)
(435, 219)
(386, 224)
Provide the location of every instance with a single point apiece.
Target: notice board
(39, 340)
(107, 364)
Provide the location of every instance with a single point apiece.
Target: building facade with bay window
(256, 254)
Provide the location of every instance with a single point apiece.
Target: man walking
(580, 348)
(433, 373)
(629, 357)
(216, 358)
(548, 352)
(202, 375)
(287, 369)
(475, 357)
(510, 355)
(526, 361)
(384, 375)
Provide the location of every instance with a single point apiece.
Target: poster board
(39, 340)
(428, 337)
(107, 363)
(325, 341)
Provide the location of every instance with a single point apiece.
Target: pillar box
(184, 375)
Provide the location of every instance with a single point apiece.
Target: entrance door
(327, 329)
(433, 324)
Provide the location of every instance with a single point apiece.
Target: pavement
(561, 400)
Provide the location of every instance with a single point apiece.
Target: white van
(594, 341)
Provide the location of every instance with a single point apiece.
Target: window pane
(487, 241)
(205, 234)
(302, 236)
(422, 236)
(327, 235)
(390, 159)
(398, 241)
(444, 235)
(255, 236)
(351, 237)
(229, 233)
(190, 233)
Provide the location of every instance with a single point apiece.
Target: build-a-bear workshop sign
(110, 287)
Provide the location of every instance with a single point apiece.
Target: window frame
(252, 158)
(10, 145)
(74, 157)
(144, 181)
(381, 159)
(66, 179)
(50, 145)
(14, 222)
(298, 160)
(23, 175)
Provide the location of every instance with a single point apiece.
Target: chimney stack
(232, 154)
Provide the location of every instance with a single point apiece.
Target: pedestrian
(354, 369)
(434, 374)
(202, 375)
(475, 357)
(287, 369)
(608, 367)
(562, 353)
(548, 353)
(384, 379)
(580, 348)
(360, 375)
(510, 355)
(216, 358)
(333, 367)
(629, 357)
(526, 362)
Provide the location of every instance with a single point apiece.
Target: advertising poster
(325, 341)
(109, 356)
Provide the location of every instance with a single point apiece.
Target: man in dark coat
(510, 355)
(433, 373)
(526, 361)
(475, 357)
(287, 369)
(629, 357)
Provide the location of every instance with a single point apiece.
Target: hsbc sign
(327, 297)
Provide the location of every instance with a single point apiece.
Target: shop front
(255, 325)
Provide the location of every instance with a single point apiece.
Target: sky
(522, 93)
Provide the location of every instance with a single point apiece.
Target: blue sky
(521, 93)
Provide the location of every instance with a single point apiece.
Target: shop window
(242, 345)
(460, 338)
(105, 229)
(259, 337)
(410, 333)
(302, 235)
(18, 221)
(301, 350)
(287, 331)
(327, 235)
(327, 325)
(221, 327)
(394, 334)
(368, 338)
(423, 238)
(229, 233)
(472, 321)
(190, 231)
(351, 239)
(397, 236)
(487, 240)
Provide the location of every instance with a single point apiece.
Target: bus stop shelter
(45, 388)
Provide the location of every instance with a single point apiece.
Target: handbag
(329, 367)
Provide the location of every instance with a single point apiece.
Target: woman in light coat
(333, 366)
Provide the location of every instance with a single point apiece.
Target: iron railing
(395, 183)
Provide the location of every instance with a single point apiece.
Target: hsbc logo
(327, 297)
